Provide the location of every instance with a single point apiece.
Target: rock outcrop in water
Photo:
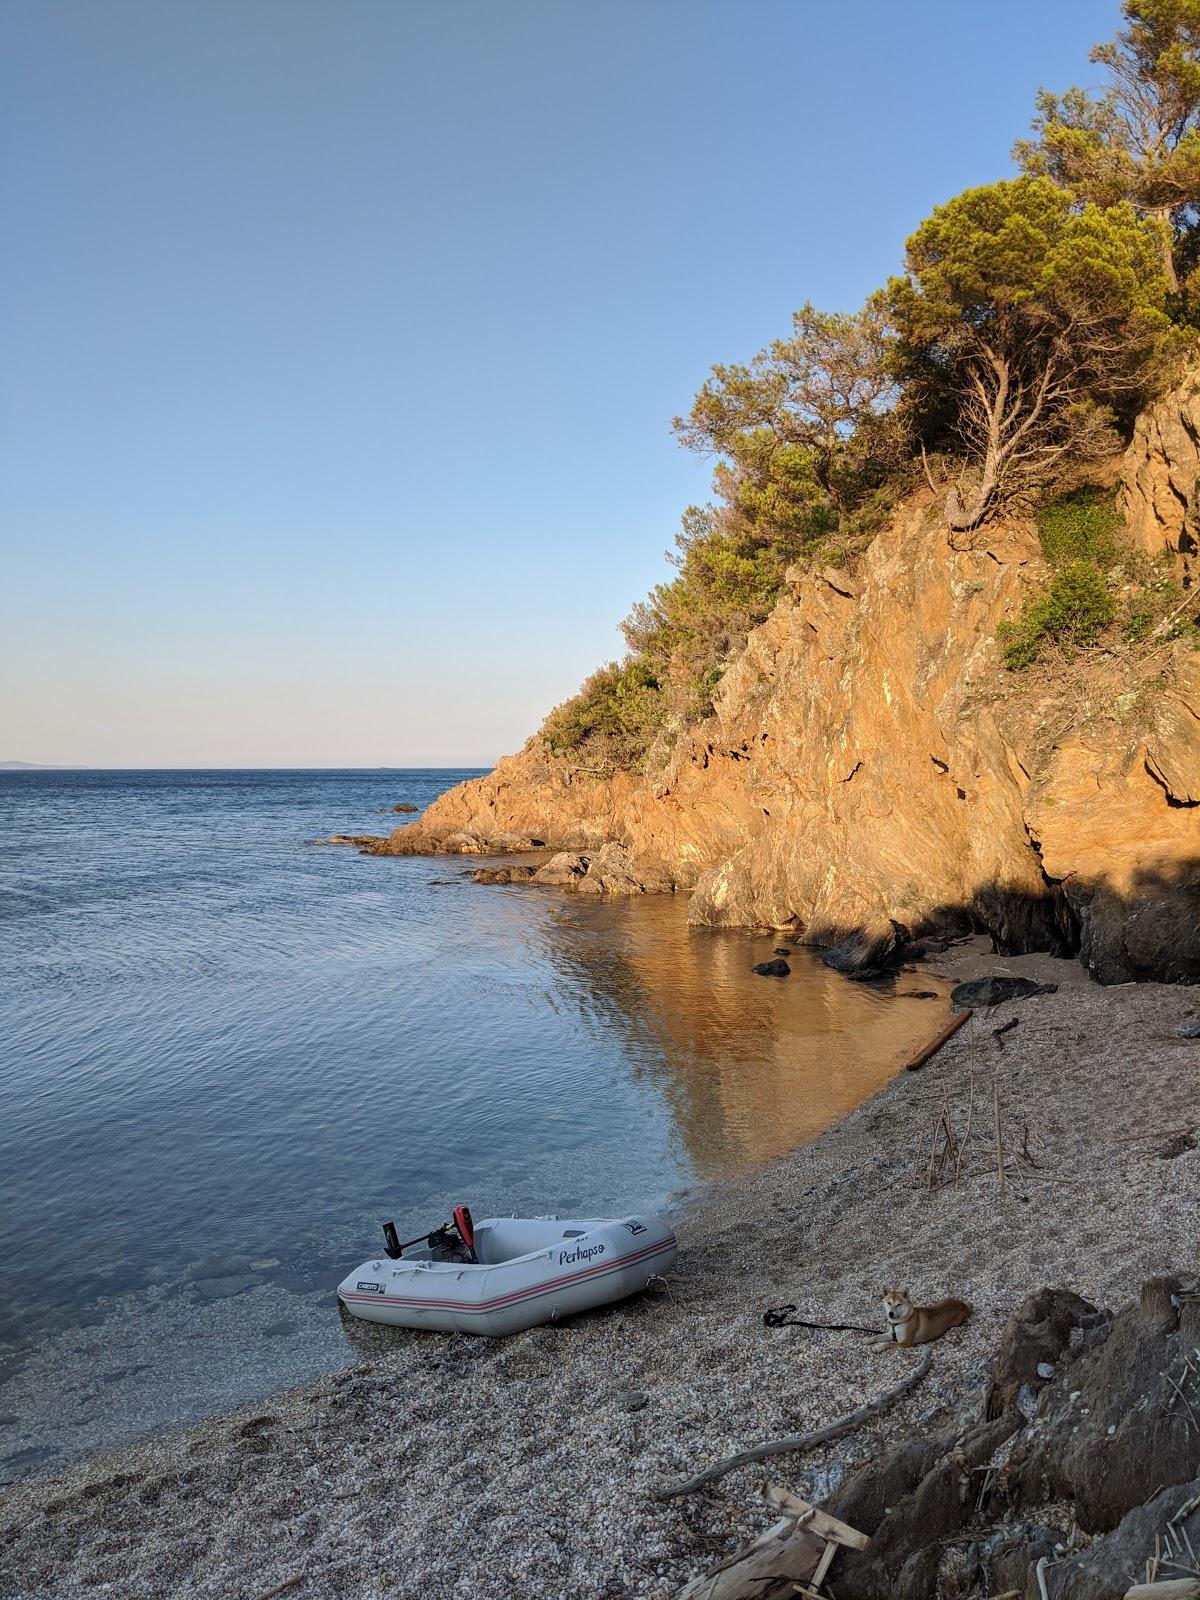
(870, 765)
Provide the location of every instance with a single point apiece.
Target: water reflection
(749, 1066)
(228, 1055)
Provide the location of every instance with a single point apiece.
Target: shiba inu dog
(909, 1324)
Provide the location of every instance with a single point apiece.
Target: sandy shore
(523, 1468)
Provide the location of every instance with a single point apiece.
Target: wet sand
(446, 1466)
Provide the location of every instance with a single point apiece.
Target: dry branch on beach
(801, 1441)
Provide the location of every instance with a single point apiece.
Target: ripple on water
(223, 1045)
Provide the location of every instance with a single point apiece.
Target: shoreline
(737, 1070)
(473, 1467)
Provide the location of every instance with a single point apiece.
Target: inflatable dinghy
(507, 1273)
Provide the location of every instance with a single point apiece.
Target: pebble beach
(452, 1467)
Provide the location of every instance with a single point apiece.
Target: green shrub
(1081, 526)
(1072, 613)
(613, 720)
(1141, 615)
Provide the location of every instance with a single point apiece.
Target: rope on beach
(800, 1441)
(781, 1317)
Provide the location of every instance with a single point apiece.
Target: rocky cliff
(871, 764)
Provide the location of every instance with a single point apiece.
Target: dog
(909, 1324)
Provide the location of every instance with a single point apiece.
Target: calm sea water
(228, 1052)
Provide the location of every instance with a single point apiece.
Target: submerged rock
(406, 808)
(772, 969)
(516, 873)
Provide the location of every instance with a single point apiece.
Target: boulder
(515, 873)
(563, 870)
(874, 949)
(778, 968)
(461, 844)
(1117, 1421)
(994, 991)
(1160, 488)
(406, 807)
(1034, 1342)
(1110, 1437)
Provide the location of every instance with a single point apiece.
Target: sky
(342, 337)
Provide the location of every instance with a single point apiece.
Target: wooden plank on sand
(932, 1048)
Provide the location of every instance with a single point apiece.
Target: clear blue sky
(342, 336)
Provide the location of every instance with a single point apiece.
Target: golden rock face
(870, 761)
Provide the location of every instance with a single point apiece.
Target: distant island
(36, 766)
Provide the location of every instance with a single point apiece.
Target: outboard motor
(466, 1230)
(391, 1241)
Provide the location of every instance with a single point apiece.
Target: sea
(229, 1052)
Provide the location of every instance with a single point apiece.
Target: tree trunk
(1163, 217)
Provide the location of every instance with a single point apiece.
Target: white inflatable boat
(508, 1273)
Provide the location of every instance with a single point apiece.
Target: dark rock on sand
(994, 991)
(773, 969)
(910, 1502)
(1036, 1337)
(1111, 1428)
(1178, 1146)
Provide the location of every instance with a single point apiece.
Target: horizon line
(186, 766)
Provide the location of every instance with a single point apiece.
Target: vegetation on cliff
(1103, 591)
(1034, 317)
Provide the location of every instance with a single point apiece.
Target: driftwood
(1006, 1027)
(934, 1045)
(801, 1441)
(790, 1558)
(282, 1588)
